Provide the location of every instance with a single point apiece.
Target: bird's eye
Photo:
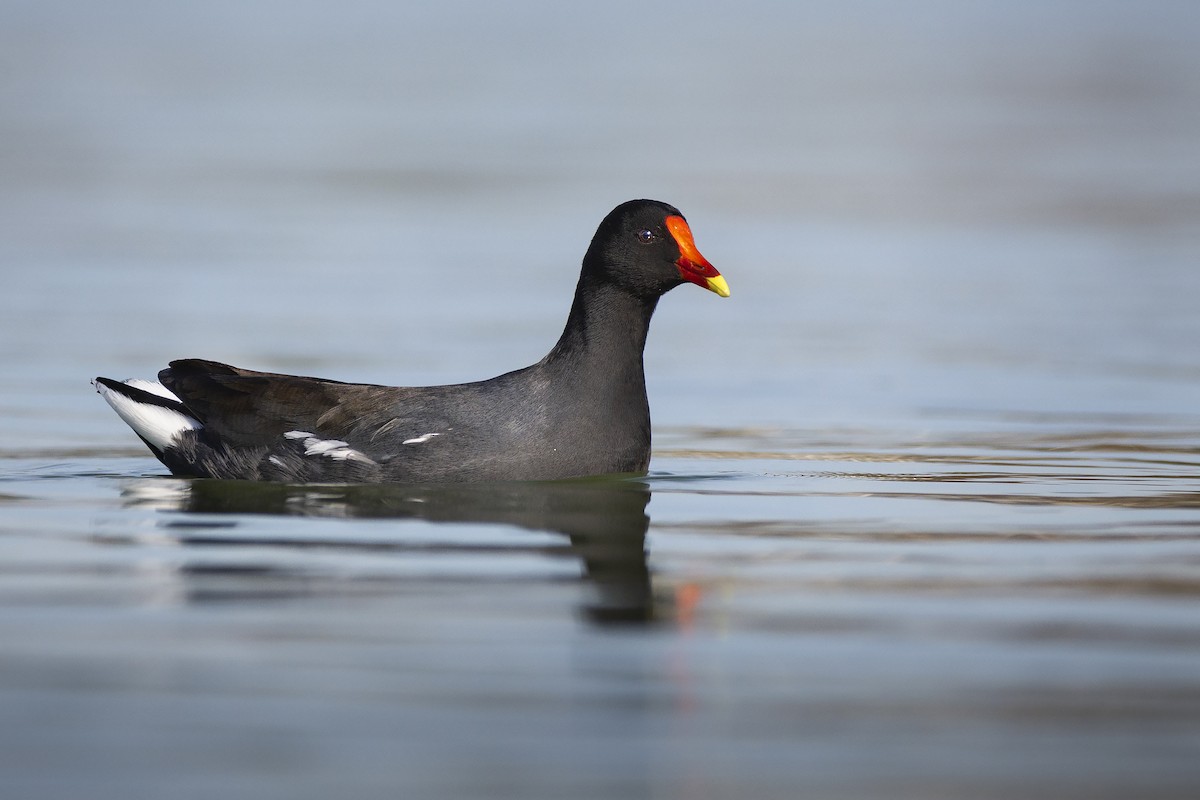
(646, 236)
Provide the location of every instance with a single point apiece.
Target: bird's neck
(605, 332)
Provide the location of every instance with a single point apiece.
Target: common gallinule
(581, 410)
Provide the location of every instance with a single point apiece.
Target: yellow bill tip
(717, 284)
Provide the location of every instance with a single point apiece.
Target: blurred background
(924, 516)
(920, 207)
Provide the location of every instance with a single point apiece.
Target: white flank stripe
(157, 425)
(422, 439)
(330, 448)
(324, 447)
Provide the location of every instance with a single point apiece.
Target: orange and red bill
(694, 267)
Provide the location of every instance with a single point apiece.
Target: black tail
(142, 396)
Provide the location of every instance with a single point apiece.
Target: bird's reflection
(604, 521)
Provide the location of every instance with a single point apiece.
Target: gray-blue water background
(923, 518)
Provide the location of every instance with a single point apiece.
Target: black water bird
(580, 411)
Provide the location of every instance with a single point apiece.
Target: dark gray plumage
(581, 410)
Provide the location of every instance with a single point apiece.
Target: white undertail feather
(159, 426)
(153, 387)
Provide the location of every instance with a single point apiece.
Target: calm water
(923, 518)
